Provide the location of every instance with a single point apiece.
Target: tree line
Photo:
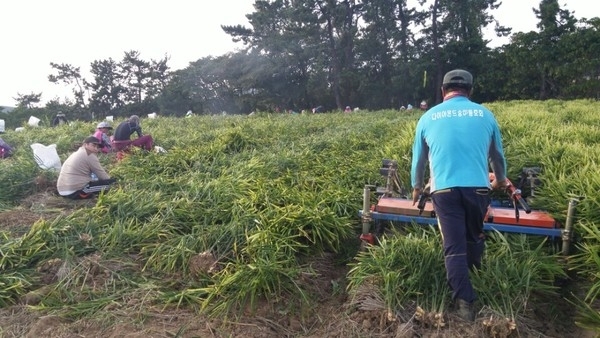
(375, 54)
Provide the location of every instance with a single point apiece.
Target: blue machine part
(552, 232)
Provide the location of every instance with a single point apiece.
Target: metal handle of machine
(422, 200)
(515, 194)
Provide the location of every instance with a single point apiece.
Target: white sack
(46, 156)
(33, 121)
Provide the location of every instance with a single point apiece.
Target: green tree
(456, 38)
(205, 87)
(130, 82)
(106, 87)
(176, 98)
(386, 51)
(158, 77)
(135, 74)
(536, 60)
(341, 28)
(286, 41)
(28, 100)
(579, 72)
(489, 83)
(70, 75)
(308, 40)
(553, 25)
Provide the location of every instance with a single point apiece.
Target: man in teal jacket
(460, 140)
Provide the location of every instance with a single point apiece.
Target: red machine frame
(390, 207)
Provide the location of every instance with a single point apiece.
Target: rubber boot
(465, 310)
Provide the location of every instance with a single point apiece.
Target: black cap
(91, 139)
(458, 78)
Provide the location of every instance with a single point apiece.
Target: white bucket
(2, 126)
(152, 116)
(33, 121)
(109, 118)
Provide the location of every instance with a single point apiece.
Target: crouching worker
(101, 134)
(122, 137)
(75, 177)
(5, 149)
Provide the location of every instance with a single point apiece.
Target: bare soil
(334, 314)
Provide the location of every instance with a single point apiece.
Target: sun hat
(91, 139)
(459, 78)
(104, 124)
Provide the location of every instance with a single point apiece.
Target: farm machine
(511, 214)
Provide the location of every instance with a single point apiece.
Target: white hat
(104, 124)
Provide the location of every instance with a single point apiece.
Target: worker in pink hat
(102, 130)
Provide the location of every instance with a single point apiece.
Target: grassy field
(244, 214)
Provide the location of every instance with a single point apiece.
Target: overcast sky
(77, 32)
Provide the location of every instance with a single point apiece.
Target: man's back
(124, 130)
(458, 135)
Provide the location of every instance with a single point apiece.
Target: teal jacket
(460, 140)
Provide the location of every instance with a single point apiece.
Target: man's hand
(499, 185)
(415, 195)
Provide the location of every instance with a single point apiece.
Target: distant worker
(59, 119)
(459, 161)
(102, 130)
(348, 109)
(423, 106)
(75, 177)
(122, 137)
(5, 149)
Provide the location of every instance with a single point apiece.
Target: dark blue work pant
(92, 189)
(460, 214)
